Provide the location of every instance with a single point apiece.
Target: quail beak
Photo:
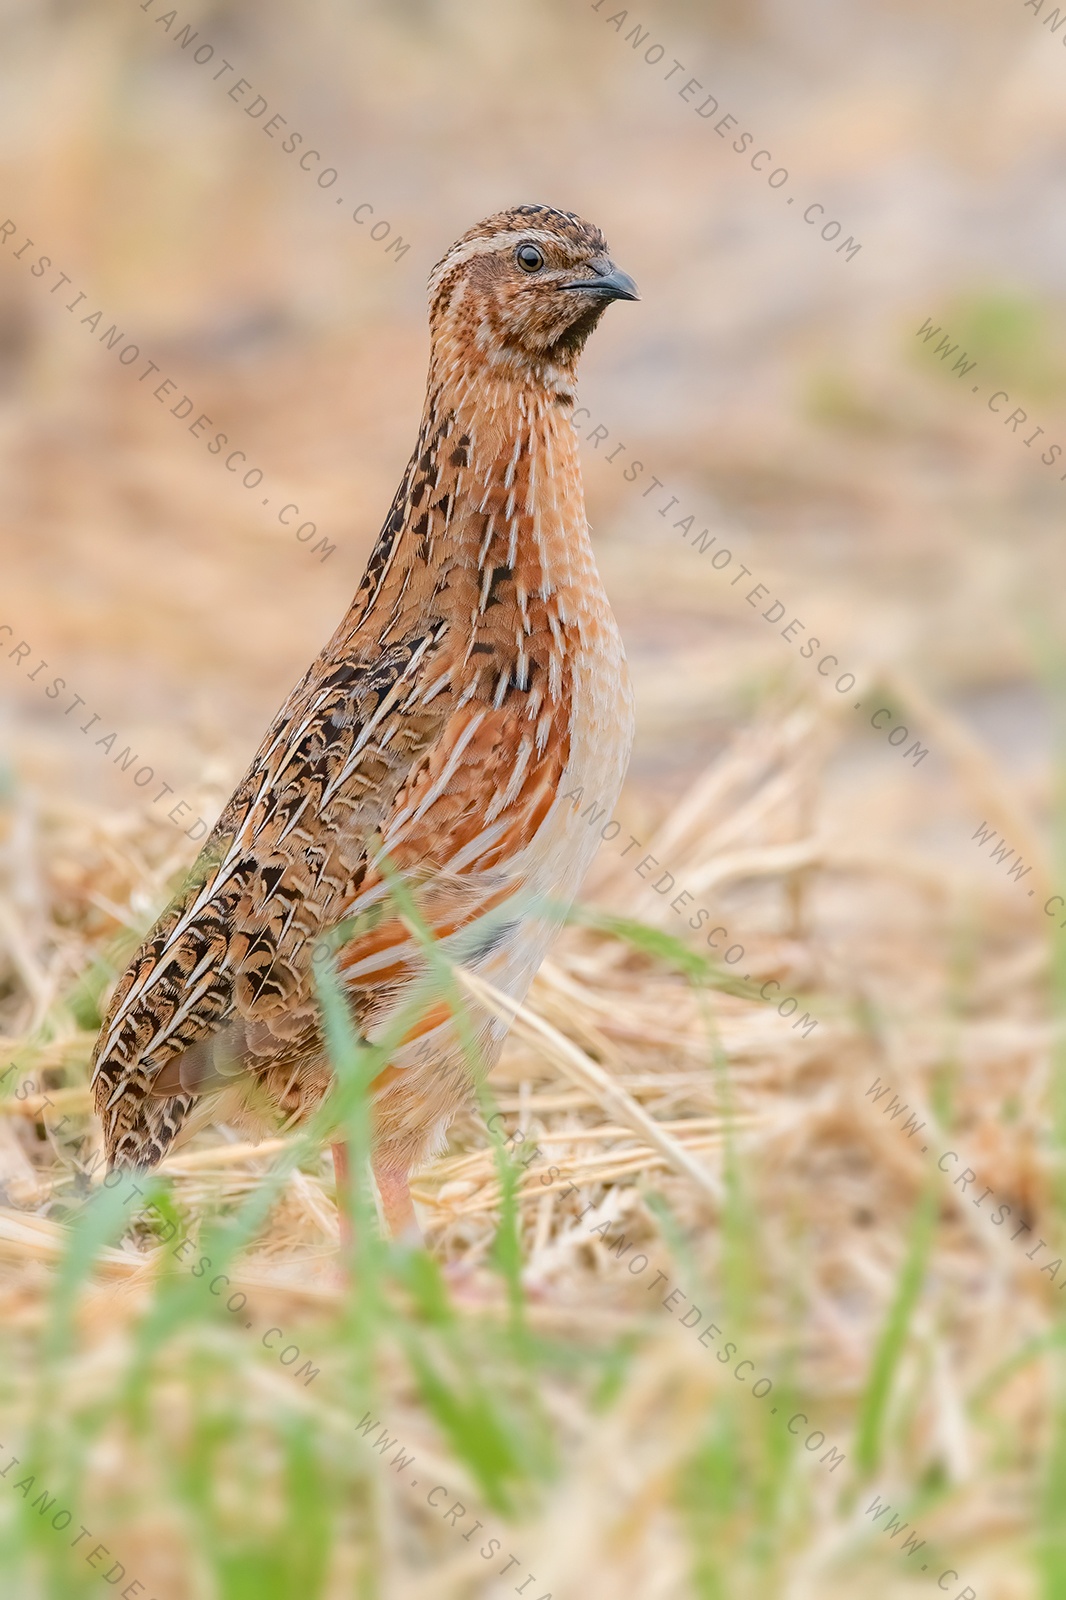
(610, 283)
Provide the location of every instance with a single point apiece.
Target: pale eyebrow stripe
(460, 254)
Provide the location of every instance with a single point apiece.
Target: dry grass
(632, 1079)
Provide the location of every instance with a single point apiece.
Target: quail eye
(529, 258)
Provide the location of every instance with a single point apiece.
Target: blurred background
(898, 493)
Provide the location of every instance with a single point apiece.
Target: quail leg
(342, 1177)
(396, 1204)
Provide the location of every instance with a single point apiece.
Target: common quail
(477, 677)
